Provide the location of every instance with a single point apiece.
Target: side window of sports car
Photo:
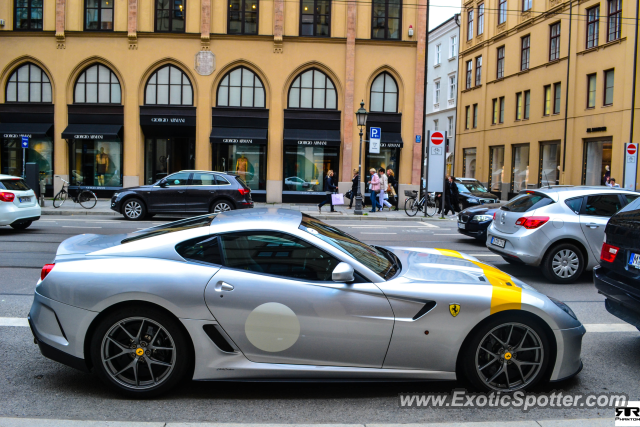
(201, 249)
(278, 254)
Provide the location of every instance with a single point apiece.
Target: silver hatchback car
(559, 229)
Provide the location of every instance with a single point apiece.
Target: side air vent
(218, 339)
(425, 309)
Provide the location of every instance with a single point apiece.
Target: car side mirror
(163, 182)
(343, 273)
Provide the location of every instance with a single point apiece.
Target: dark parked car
(618, 275)
(185, 192)
(472, 193)
(474, 221)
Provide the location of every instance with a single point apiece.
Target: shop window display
(96, 163)
(520, 168)
(496, 168)
(249, 162)
(167, 155)
(40, 151)
(469, 163)
(388, 158)
(305, 167)
(597, 163)
(549, 164)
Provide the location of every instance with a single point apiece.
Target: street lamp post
(361, 118)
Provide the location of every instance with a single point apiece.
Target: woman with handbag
(392, 189)
(329, 189)
(374, 186)
(384, 186)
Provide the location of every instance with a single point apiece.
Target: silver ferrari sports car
(273, 294)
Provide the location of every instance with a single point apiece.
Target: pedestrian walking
(354, 187)
(455, 202)
(374, 188)
(384, 184)
(329, 189)
(445, 199)
(393, 189)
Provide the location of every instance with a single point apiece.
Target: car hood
(480, 194)
(450, 267)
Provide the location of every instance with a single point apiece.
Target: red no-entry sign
(437, 138)
(631, 149)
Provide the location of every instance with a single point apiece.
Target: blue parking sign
(375, 133)
(418, 139)
(25, 142)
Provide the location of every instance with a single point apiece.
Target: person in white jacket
(384, 184)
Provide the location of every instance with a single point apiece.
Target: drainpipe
(635, 77)
(424, 112)
(566, 95)
(455, 116)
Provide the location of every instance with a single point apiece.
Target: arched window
(28, 84)
(313, 89)
(169, 86)
(384, 94)
(241, 88)
(97, 85)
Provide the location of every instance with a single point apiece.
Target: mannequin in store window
(242, 166)
(102, 165)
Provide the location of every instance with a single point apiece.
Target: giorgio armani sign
(177, 120)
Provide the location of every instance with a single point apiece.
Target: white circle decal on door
(272, 327)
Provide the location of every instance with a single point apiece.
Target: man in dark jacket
(329, 189)
(455, 203)
(354, 187)
(447, 198)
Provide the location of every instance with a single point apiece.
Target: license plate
(634, 260)
(24, 199)
(462, 225)
(497, 242)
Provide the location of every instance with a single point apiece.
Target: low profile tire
(140, 352)
(134, 209)
(563, 263)
(221, 206)
(21, 225)
(508, 352)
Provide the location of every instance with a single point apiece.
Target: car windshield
(183, 224)
(370, 256)
(527, 202)
(473, 186)
(14, 184)
(462, 188)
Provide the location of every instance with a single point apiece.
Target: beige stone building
(533, 71)
(118, 93)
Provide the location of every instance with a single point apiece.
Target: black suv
(184, 192)
(618, 276)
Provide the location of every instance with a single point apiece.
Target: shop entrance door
(165, 156)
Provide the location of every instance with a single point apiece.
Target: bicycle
(86, 198)
(411, 207)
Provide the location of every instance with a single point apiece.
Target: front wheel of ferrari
(140, 352)
(507, 353)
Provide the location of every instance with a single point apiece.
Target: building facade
(545, 93)
(119, 93)
(442, 86)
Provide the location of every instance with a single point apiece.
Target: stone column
(132, 24)
(349, 111)
(278, 25)
(205, 23)
(60, 9)
(418, 111)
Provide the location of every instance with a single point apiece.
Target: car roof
(466, 179)
(263, 218)
(578, 188)
(3, 176)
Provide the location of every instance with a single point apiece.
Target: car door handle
(593, 225)
(223, 286)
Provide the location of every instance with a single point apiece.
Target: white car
(18, 203)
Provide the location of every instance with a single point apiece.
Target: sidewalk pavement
(342, 212)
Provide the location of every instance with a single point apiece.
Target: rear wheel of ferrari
(508, 353)
(141, 352)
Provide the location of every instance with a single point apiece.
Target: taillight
(244, 191)
(531, 222)
(6, 197)
(46, 270)
(494, 215)
(608, 252)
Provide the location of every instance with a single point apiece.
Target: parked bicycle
(412, 206)
(86, 198)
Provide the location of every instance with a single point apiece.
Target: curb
(78, 212)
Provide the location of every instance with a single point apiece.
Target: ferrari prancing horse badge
(454, 309)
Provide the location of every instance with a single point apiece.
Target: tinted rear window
(527, 202)
(172, 227)
(201, 249)
(14, 185)
(575, 204)
(242, 183)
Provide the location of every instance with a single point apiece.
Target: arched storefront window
(384, 94)
(28, 84)
(241, 88)
(313, 89)
(169, 86)
(97, 85)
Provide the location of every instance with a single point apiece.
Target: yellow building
(518, 125)
(119, 93)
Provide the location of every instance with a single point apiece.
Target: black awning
(17, 130)
(238, 136)
(391, 140)
(84, 131)
(312, 137)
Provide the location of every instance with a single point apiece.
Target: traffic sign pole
(25, 145)
(630, 166)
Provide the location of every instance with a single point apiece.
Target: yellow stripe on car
(449, 252)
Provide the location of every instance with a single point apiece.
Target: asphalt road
(33, 386)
